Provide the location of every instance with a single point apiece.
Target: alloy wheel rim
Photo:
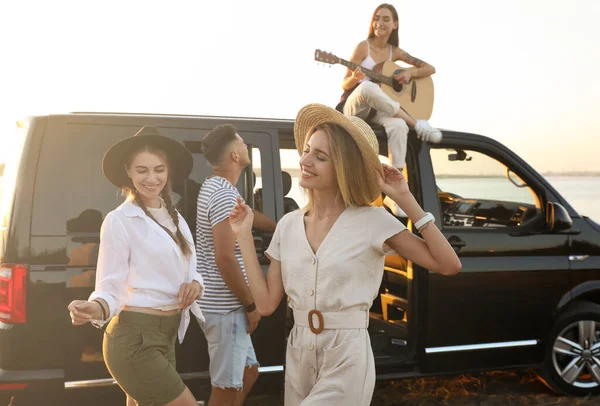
(576, 354)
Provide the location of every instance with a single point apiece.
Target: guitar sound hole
(397, 86)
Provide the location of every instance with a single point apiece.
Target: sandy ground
(486, 389)
(489, 389)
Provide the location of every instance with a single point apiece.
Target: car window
(73, 194)
(294, 195)
(69, 182)
(9, 170)
(476, 190)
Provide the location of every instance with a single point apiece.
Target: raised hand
(393, 184)
(241, 218)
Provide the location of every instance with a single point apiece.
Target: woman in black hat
(146, 280)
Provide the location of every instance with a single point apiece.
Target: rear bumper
(34, 387)
(26, 377)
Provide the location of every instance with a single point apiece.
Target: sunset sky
(521, 71)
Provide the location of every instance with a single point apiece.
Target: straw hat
(115, 159)
(313, 115)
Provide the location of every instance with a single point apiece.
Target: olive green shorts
(139, 350)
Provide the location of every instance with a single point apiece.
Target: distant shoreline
(578, 174)
(545, 174)
(294, 172)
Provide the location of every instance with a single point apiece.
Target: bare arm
(420, 68)
(228, 264)
(263, 223)
(433, 252)
(350, 79)
(268, 291)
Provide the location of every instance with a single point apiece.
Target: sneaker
(393, 206)
(422, 128)
(428, 133)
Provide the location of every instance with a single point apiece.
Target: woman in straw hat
(328, 258)
(146, 280)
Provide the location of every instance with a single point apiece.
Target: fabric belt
(318, 321)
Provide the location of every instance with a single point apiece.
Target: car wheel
(572, 359)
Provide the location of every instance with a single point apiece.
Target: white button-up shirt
(140, 265)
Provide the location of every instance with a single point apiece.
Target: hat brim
(313, 115)
(115, 159)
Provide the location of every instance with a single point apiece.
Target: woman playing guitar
(382, 45)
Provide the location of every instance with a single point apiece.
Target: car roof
(285, 127)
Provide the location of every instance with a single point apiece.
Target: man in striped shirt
(227, 303)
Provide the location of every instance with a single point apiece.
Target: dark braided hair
(179, 237)
(133, 195)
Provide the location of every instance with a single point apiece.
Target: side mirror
(557, 217)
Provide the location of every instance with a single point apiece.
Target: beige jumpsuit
(336, 366)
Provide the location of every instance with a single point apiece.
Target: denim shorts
(229, 347)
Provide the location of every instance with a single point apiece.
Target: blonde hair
(355, 167)
(165, 194)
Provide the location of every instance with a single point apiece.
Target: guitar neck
(369, 72)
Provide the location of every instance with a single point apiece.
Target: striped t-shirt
(216, 199)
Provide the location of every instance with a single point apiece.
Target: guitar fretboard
(369, 72)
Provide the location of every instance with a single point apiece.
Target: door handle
(456, 243)
(578, 257)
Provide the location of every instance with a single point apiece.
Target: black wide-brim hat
(115, 159)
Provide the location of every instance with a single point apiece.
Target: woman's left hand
(188, 293)
(393, 184)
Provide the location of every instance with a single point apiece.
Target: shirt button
(314, 261)
(311, 292)
(311, 347)
(312, 370)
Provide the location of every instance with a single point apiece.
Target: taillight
(13, 283)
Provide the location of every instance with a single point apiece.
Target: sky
(520, 71)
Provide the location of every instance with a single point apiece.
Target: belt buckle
(310, 321)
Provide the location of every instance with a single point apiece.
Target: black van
(528, 294)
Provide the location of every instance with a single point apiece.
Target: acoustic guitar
(416, 97)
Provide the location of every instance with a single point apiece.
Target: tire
(572, 357)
